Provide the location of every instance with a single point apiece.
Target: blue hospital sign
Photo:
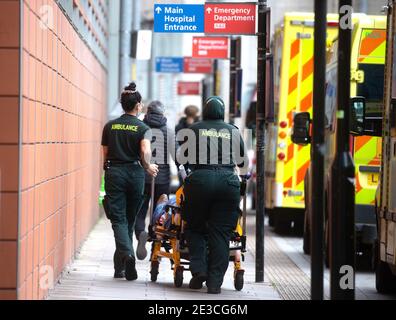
(179, 18)
(169, 64)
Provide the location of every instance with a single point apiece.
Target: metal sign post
(215, 77)
(235, 64)
(317, 164)
(262, 46)
(233, 67)
(342, 200)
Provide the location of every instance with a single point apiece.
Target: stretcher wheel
(154, 270)
(179, 277)
(238, 280)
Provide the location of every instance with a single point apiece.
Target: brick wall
(9, 146)
(47, 213)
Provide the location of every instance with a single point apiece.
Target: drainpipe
(125, 65)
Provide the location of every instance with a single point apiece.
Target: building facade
(53, 57)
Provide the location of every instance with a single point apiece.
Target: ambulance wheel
(271, 218)
(179, 277)
(282, 227)
(238, 281)
(385, 280)
(154, 270)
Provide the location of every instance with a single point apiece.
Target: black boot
(130, 270)
(197, 280)
(214, 290)
(119, 274)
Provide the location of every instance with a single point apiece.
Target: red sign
(192, 65)
(230, 18)
(210, 47)
(188, 88)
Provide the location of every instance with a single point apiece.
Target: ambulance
(385, 248)
(367, 82)
(286, 164)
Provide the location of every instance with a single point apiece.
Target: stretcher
(168, 237)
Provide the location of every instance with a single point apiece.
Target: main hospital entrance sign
(211, 18)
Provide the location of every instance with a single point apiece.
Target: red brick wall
(63, 89)
(9, 146)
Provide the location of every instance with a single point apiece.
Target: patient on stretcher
(163, 217)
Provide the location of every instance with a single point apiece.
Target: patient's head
(162, 198)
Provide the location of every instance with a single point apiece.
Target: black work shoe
(130, 270)
(119, 274)
(197, 280)
(214, 290)
(141, 251)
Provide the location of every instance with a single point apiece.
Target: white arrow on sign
(209, 10)
(159, 10)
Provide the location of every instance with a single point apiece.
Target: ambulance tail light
(283, 124)
(332, 23)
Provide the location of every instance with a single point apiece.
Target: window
(372, 88)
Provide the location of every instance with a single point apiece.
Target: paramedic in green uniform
(212, 195)
(126, 145)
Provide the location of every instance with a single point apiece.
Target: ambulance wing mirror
(357, 116)
(301, 129)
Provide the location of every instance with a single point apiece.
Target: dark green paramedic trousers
(211, 212)
(124, 186)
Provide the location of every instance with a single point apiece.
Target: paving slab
(90, 277)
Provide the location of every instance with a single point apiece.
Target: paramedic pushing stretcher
(126, 145)
(212, 195)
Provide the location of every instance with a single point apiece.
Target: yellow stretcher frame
(170, 244)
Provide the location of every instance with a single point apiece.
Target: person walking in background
(191, 116)
(163, 143)
(126, 145)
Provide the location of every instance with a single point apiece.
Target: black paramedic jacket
(218, 133)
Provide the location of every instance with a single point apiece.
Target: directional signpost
(179, 18)
(211, 18)
(169, 65)
(210, 47)
(230, 18)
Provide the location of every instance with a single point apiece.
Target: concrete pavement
(90, 277)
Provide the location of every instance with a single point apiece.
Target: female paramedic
(126, 145)
(212, 195)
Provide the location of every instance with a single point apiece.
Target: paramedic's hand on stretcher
(152, 170)
(145, 155)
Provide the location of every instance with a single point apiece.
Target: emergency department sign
(230, 18)
(179, 18)
(210, 47)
